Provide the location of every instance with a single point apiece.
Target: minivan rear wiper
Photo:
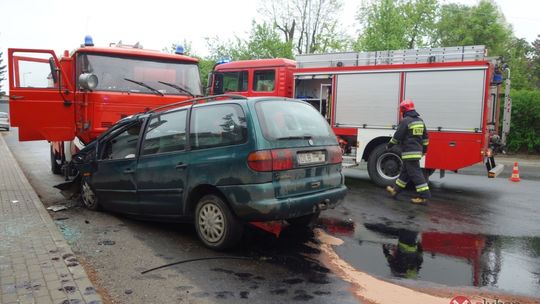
(179, 88)
(142, 84)
(295, 137)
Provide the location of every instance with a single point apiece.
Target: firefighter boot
(392, 191)
(419, 201)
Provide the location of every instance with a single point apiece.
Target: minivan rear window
(289, 119)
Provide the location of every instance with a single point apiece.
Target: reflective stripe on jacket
(411, 135)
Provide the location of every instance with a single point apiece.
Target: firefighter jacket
(412, 136)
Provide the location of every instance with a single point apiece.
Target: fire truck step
(349, 162)
(496, 171)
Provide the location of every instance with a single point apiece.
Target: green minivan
(217, 164)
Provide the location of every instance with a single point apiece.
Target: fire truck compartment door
(449, 100)
(36, 104)
(369, 100)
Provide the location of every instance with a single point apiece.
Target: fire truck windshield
(112, 71)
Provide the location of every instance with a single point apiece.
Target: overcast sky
(62, 24)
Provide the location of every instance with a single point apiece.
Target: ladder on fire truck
(413, 56)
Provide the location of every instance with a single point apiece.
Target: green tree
(536, 62)
(382, 27)
(519, 56)
(2, 72)
(481, 24)
(390, 25)
(311, 26)
(420, 16)
(263, 42)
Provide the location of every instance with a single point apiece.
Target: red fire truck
(456, 90)
(69, 101)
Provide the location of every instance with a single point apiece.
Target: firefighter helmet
(406, 105)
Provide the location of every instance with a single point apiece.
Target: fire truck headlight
(88, 81)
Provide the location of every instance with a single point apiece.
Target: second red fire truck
(456, 90)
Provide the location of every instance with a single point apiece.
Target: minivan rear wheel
(215, 224)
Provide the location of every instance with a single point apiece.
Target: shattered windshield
(113, 70)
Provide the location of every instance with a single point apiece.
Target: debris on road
(201, 259)
(57, 208)
(106, 242)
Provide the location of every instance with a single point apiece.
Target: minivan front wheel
(88, 196)
(215, 224)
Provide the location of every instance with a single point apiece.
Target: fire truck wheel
(88, 196)
(55, 167)
(384, 166)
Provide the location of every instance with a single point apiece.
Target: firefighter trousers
(411, 171)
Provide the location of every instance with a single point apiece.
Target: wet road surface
(475, 232)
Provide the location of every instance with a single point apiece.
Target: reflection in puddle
(507, 263)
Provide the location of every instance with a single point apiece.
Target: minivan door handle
(129, 171)
(181, 166)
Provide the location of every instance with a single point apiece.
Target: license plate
(314, 157)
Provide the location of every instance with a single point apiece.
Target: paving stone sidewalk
(36, 263)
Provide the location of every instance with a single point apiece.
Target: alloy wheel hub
(211, 223)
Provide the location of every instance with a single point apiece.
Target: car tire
(384, 165)
(55, 167)
(306, 221)
(88, 197)
(217, 227)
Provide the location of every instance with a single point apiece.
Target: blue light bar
(179, 50)
(224, 60)
(88, 41)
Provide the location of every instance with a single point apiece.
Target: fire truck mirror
(88, 81)
(54, 70)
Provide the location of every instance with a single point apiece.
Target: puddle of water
(507, 263)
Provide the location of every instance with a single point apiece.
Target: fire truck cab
(456, 91)
(69, 101)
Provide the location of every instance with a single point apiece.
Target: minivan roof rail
(194, 101)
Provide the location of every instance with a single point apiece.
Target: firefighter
(412, 137)
(405, 259)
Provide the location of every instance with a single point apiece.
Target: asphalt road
(475, 232)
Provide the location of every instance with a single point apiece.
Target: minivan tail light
(260, 161)
(335, 155)
(282, 159)
(271, 160)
